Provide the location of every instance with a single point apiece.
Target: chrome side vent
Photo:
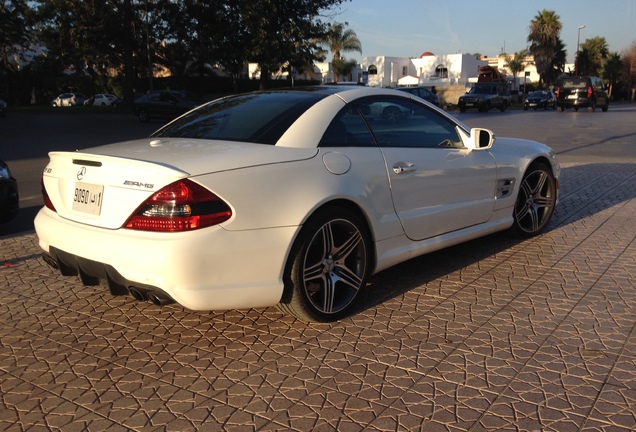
(504, 188)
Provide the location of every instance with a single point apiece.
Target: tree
(592, 56)
(629, 69)
(545, 29)
(516, 63)
(93, 38)
(339, 41)
(557, 65)
(612, 70)
(14, 29)
(282, 32)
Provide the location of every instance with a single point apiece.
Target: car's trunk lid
(103, 186)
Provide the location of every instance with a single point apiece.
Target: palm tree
(545, 29)
(341, 40)
(516, 63)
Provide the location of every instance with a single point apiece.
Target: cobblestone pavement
(495, 334)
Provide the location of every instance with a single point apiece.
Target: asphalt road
(26, 137)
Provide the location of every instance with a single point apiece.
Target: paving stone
(496, 334)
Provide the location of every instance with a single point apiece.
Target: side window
(348, 129)
(397, 122)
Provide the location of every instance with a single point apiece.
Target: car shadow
(586, 190)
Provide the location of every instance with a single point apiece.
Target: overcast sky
(408, 28)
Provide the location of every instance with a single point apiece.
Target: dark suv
(485, 96)
(581, 91)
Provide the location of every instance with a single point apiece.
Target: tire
(143, 115)
(560, 109)
(575, 109)
(391, 114)
(462, 110)
(328, 266)
(592, 107)
(605, 107)
(535, 203)
(503, 107)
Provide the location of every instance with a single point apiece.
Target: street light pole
(576, 60)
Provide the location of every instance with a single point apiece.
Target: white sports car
(290, 198)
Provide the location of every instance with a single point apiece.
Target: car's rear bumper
(207, 269)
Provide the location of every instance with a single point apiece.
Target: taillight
(181, 206)
(589, 92)
(557, 92)
(45, 196)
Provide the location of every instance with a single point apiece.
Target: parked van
(581, 91)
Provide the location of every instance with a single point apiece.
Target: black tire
(463, 110)
(605, 107)
(575, 109)
(143, 115)
(391, 114)
(503, 107)
(592, 106)
(560, 109)
(327, 267)
(536, 201)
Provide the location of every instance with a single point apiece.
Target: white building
(427, 70)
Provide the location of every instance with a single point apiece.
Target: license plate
(88, 198)
(469, 104)
(572, 96)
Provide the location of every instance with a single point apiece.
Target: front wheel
(391, 114)
(328, 267)
(535, 202)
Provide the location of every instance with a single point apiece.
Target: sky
(408, 28)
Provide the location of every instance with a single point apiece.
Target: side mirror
(481, 139)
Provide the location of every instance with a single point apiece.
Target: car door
(437, 185)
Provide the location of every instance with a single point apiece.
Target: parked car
(69, 99)
(9, 197)
(423, 93)
(286, 197)
(3, 108)
(103, 99)
(540, 99)
(581, 91)
(485, 96)
(165, 105)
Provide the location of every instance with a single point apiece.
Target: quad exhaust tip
(157, 298)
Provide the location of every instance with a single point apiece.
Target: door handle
(401, 167)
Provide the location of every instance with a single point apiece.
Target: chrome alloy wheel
(334, 266)
(536, 201)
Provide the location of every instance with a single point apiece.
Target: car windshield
(480, 90)
(538, 93)
(260, 117)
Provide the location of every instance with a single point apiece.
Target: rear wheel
(535, 202)
(328, 266)
(592, 107)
